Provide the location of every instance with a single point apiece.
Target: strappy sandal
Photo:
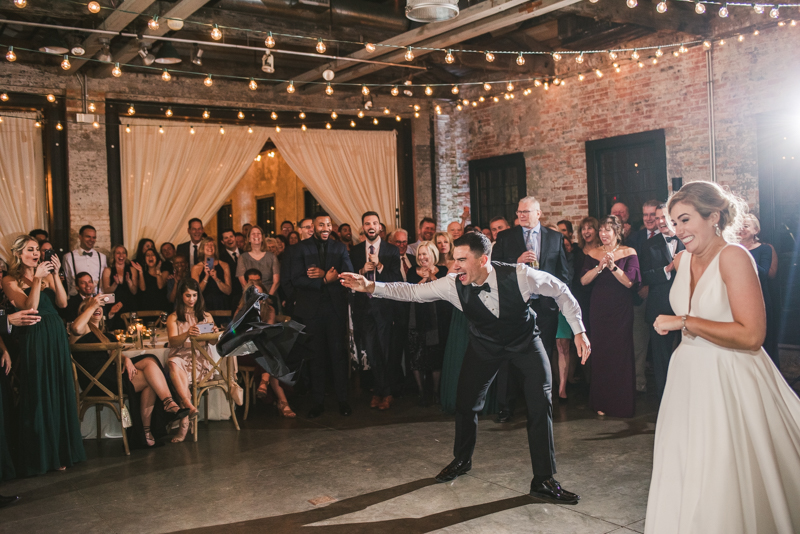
(148, 436)
(261, 392)
(177, 412)
(284, 410)
(183, 431)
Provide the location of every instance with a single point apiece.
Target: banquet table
(110, 427)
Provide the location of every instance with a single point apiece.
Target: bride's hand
(665, 324)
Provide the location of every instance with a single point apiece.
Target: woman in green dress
(49, 432)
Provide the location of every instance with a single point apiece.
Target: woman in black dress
(214, 277)
(122, 280)
(142, 381)
(152, 284)
(144, 245)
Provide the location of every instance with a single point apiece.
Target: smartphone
(210, 263)
(205, 328)
(48, 255)
(108, 298)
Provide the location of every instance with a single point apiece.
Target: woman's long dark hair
(199, 306)
(139, 257)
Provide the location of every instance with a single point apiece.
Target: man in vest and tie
(495, 298)
(84, 259)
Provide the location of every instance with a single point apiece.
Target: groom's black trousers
(477, 372)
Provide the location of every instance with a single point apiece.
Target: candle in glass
(139, 335)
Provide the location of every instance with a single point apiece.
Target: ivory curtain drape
(23, 194)
(169, 178)
(348, 172)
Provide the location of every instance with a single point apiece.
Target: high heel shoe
(177, 412)
(284, 410)
(148, 437)
(261, 392)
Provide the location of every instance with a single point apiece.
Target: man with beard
(427, 227)
(346, 235)
(230, 253)
(372, 318)
(321, 305)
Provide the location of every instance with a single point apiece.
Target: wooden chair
(225, 315)
(140, 314)
(222, 367)
(114, 400)
(249, 379)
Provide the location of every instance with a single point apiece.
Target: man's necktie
(235, 257)
(405, 266)
(194, 256)
(478, 289)
(90, 254)
(650, 234)
(371, 274)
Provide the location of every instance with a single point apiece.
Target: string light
(428, 90)
(632, 3)
(92, 107)
(510, 87)
(59, 127)
(481, 99)
(302, 115)
(51, 98)
(221, 130)
(774, 12)
(495, 99)
(65, 64)
(635, 55)
(95, 124)
(160, 130)
(4, 97)
(661, 7)
(659, 52)
(290, 89)
(641, 65)
(723, 11)
(153, 24)
(216, 33)
(128, 129)
(699, 8)
(683, 49)
(321, 46)
(93, 7)
(252, 85)
(612, 55)
(269, 41)
(706, 44)
(364, 90)
(520, 59)
(20, 3)
(458, 107)
(273, 116)
(579, 59)
(206, 114)
(759, 9)
(655, 61)
(208, 81)
(240, 115)
(740, 38)
(334, 115)
(598, 72)
(303, 127)
(675, 53)
(581, 77)
(556, 56)
(454, 90)
(10, 55)
(398, 118)
(386, 111)
(409, 55)
(722, 42)
(131, 110)
(360, 114)
(448, 58)
(166, 76)
(329, 89)
(537, 83)
(278, 129)
(249, 129)
(116, 72)
(395, 90)
(417, 107)
(370, 47)
(489, 57)
(487, 87)
(169, 112)
(375, 121)
(327, 126)
(416, 114)
(191, 130)
(352, 124)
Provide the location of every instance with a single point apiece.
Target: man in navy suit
(658, 273)
(541, 248)
(321, 305)
(372, 318)
(408, 269)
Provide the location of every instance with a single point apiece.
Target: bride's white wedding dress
(727, 448)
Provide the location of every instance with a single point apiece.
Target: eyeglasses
(524, 212)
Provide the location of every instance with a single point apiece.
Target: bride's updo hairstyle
(708, 197)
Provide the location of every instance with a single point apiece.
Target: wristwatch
(683, 325)
(614, 269)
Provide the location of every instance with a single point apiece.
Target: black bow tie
(671, 238)
(485, 287)
(90, 254)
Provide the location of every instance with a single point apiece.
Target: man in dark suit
(541, 248)
(408, 267)
(372, 318)
(658, 273)
(321, 305)
(191, 249)
(230, 254)
(286, 265)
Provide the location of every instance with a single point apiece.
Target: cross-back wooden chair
(221, 376)
(93, 394)
(140, 314)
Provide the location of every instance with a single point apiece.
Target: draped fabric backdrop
(348, 172)
(169, 178)
(23, 195)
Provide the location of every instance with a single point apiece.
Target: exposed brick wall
(452, 171)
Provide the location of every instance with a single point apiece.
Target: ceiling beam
(181, 10)
(451, 38)
(675, 19)
(468, 16)
(117, 21)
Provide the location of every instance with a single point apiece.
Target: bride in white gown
(727, 448)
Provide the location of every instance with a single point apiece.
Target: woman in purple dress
(612, 271)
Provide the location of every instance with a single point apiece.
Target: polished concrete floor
(370, 472)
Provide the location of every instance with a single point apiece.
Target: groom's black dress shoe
(504, 416)
(456, 468)
(551, 490)
(5, 501)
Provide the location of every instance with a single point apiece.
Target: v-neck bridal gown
(727, 447)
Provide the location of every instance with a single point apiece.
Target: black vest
(514, 329)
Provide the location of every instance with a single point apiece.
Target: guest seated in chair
(142, 379)
(189, 312)
(267, 315)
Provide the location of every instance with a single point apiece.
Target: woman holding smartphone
(183, 323)
(121, 279)
(213, 276)
(49, 431)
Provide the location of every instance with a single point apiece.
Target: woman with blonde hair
(49, 430)
(727, 447)
(213, 275)
(443, 242)
(121, 277)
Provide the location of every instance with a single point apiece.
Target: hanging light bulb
(327, 126)
(740, 38)
(386, 111)
(428, 90)
(334, 115)
(273, 116)
(328, 89)
(774, 12)
(537, 83)
(417, 107)
(51, 98)
(221, 130)
(579, 59)
(153, 23)
(481, 99)
(448, 57)
(321, 46)
(166, 76)
(416, 114)
(160, 130)
(65, 64)
(706, 44)
(683, 49)
(252, 85)
(454, 90)
(360, 114)
(290, 89)
(758, 9)
(4, 97)
(270, 40)
(93, 7)
(216, 33)
(278, 129)
(557, 81)
(91, 107)
(364, 90)
(699, 8)
(520, 59)
(617, 69)
(352, 124)
(510, 87)
(641, 65)
(20, 3)
(546, 86)
(395, 91)
(489, 57)
(95, 124)
(661, 7)
(409, 55)
(598, 73)
(398, 118)
(375, 121)
(632, 3)
(240, 115)
(556, 56)
(116, 72)
(655, 61)
(10, 55)
(370, 47)
(131, 110)
(723, 11)
(659, 52)
(206, 114)
(303, 127)
(128, 129)
(302, 115)
(612, 55)
(676, 53)
(487, 87)
(208, 81)
(581, 77)
(169, 112)
(635, 55)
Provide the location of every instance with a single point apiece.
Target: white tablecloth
(218, 408)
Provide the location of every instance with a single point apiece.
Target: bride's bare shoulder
(735, 260)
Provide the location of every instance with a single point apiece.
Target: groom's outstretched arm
(441, 289)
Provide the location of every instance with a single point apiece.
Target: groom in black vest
(494, 296)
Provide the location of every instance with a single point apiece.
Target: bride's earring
(716, 229)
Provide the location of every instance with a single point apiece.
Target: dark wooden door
(496, 185)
